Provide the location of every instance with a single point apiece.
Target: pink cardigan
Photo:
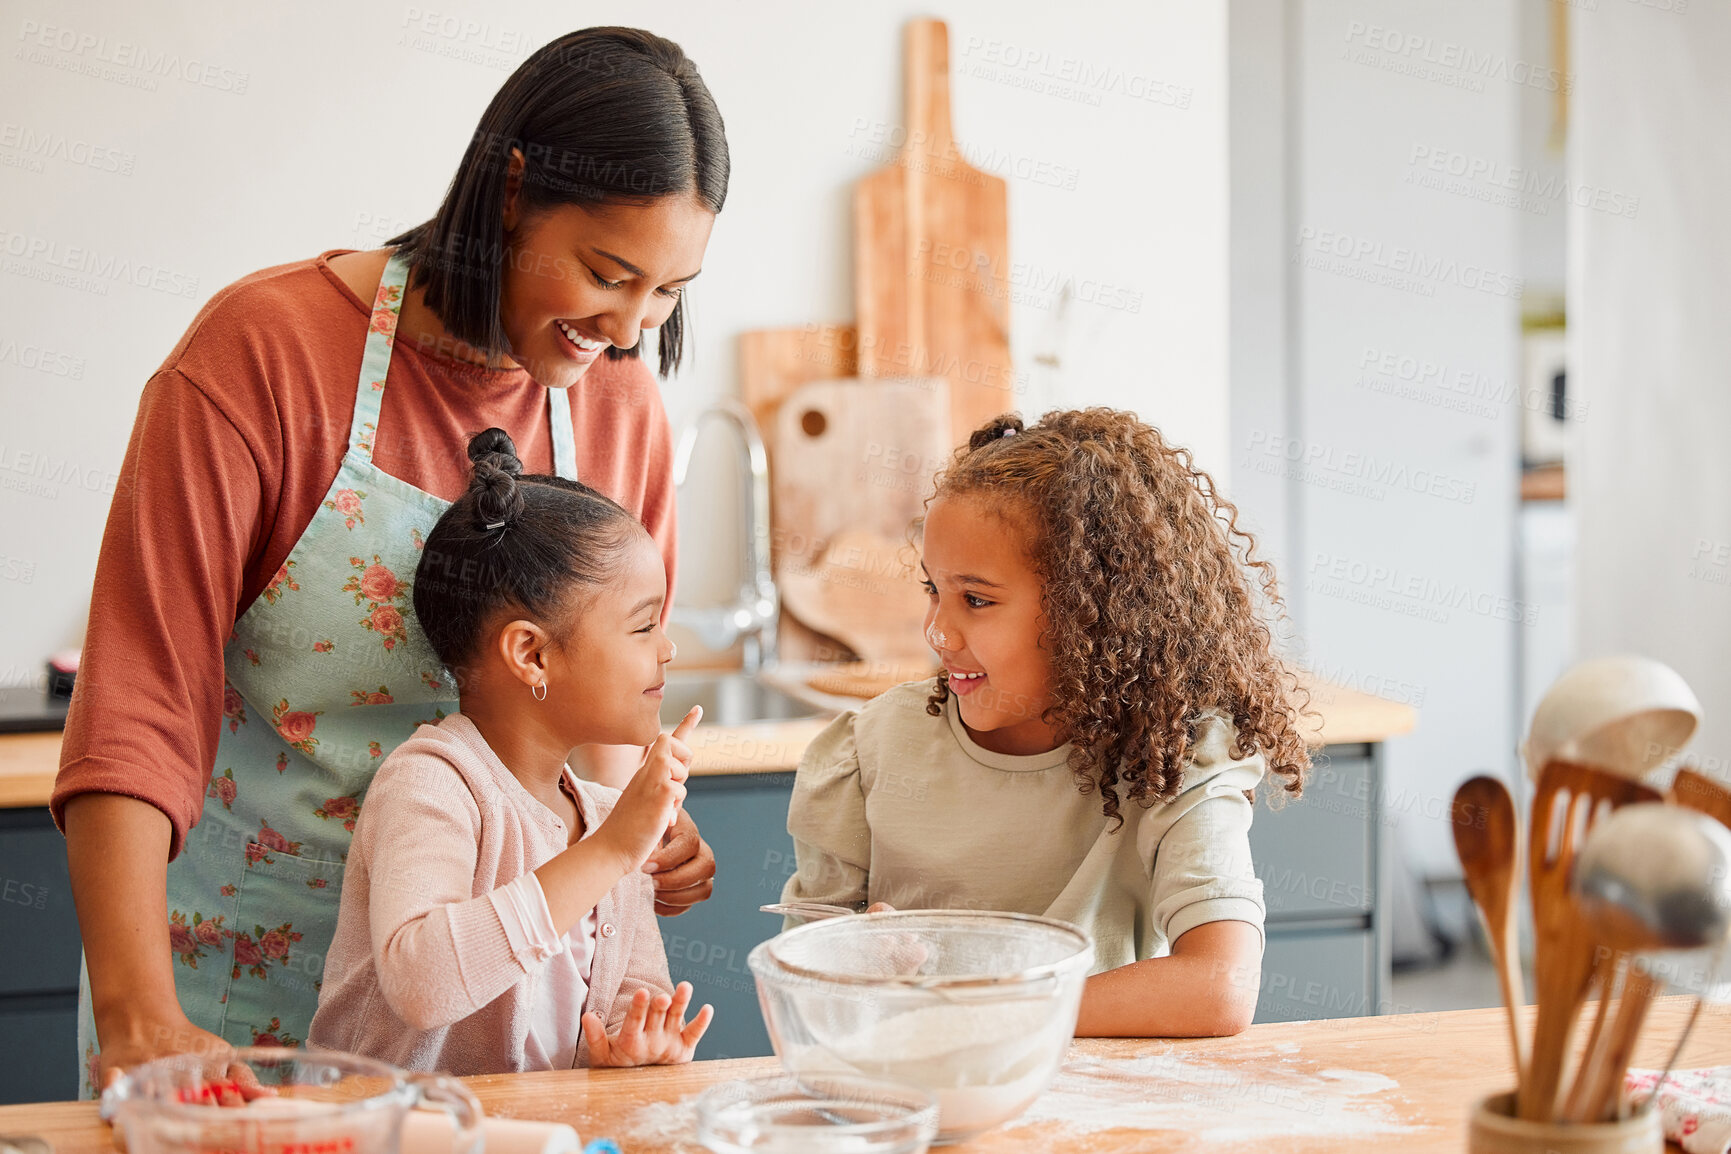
(421, 972)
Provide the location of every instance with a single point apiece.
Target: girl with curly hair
(1109, 701)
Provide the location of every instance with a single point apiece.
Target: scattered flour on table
(1221, 1102)
(669, 1124)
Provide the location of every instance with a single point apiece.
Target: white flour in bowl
(983, 1061)
(957, 1044)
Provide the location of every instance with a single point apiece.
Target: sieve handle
(810, 911)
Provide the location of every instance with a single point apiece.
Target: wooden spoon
(1489, 844)
(1565, 950)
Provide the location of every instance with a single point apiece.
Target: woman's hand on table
(654, 1033)
(117, 855)
(155, 1037)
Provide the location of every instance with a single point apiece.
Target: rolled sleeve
(522, 908)
(1197, 848)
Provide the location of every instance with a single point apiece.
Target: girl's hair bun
(494, 483)
(1004, 425)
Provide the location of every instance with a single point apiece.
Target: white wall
(1650, 345)
(333, 125)
(1543, 219)
(1384, 478)
(1260, 106)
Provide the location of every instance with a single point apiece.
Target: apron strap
(564, 436)
(376, 364)
(376, 361)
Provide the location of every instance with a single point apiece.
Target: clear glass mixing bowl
(974, 1006)
(832, 1114)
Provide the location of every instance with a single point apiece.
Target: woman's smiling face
(984, 599)
(578, 278)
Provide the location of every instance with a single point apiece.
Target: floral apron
(325, 674)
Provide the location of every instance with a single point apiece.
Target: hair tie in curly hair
(996, 429)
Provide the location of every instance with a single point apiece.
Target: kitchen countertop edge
(29, 761)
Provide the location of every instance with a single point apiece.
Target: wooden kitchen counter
(1402, 1081)
(1343, 716)
(27, 765)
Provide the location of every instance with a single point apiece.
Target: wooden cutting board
(853, 462)
(775, 362)
(864, 591)
(931, 254)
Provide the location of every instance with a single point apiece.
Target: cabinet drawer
(39, 1051)
(1308, 975)
(1315, 856)
(38, 925)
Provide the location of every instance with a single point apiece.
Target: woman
(252, 653)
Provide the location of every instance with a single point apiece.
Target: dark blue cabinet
(38, 962)
(744, 819)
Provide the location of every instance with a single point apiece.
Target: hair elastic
(496, 525)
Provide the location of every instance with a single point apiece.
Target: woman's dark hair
(601, 115)
(512, 541)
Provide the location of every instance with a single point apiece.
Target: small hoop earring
(538, 691)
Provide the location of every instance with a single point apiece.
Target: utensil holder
(1495, 1130)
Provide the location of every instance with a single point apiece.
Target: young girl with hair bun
(1108, 703)
(494, 914)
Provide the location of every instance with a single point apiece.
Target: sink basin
(731, 699)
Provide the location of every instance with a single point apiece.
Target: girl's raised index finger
(688, 723)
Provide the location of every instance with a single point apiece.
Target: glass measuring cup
(317, 1102)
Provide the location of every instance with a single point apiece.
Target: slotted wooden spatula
(1564, 948)
(1702, 794)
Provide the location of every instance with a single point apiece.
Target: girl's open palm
(654, 1033)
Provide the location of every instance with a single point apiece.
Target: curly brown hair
(1149, 617)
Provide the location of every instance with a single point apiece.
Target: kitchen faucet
(752, 614)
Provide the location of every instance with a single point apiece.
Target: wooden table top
(1400, 1081)
(29, 761)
